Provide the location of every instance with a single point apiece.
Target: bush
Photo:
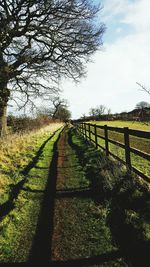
(24, 123)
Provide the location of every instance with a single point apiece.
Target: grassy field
(143, 126)
(141, 144)
(25, 161)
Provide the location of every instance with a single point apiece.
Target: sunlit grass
(18, 227)
(137, 125)
(16, 151)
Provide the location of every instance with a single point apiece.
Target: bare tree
(63, 113)
(43, 40)
(92, 112)
(57, 108)
(57, 104)
(98, 111)
(108, 112)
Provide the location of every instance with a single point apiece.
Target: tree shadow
(27, 189)
(9, 205)
(100, 259)
(81, 262)
(42, 243)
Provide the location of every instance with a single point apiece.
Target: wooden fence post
(89, 132)
(106, 140)
(127, 149)
(95, 133)
(81, 128)
(85, 130)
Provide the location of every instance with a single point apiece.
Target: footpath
(72, 230)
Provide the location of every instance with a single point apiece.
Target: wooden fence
(90, 132)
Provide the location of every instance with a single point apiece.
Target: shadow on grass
(32, 190)
(100, 259)
(9, 205)
(41, 253)
(82, 262)
(42, 243)
(127, 230)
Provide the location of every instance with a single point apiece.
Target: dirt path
(71, 229)
(80, 237)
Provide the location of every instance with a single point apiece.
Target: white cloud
(113, 8)
(138, 15)
(112, 77)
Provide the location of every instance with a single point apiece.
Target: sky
(123, 61)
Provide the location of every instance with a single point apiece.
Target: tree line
(141, 112)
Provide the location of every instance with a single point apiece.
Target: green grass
(126, 199)
(143, 126)
(141, 144)
(16, 151)
(19, 225)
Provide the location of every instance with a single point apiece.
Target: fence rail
(90, 132)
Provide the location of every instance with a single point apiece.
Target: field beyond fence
(130, 147)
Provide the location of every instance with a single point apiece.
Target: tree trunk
(3, 120)
(4, 97)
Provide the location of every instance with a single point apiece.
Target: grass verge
(126, 199)
(23, 202)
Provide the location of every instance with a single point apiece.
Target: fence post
(81, 128)
(95, 133)
(89, 132)
(85, 131)
(127, 149)
(106, 140)
(84, 127)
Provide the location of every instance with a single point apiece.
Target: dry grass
(16, 151)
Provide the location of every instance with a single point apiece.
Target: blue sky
(123, 61)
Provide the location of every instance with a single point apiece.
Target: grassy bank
(16, 151)
(125, 200)
(25, 162)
